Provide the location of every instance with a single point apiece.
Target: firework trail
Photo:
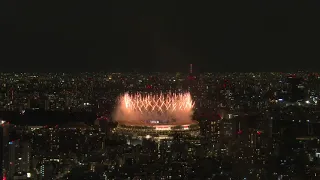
(142, 109)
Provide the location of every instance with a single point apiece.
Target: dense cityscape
(159, 90)
(242, 126)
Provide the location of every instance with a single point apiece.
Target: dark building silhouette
(4, 152)
(1, 152)
(295, 88)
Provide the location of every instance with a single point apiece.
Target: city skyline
(170, 125)
(159, 90)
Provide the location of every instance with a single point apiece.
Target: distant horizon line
(183, 72)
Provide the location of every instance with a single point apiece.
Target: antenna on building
(190, 69)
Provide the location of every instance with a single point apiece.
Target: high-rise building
(1, 153)
(295, 88)
(46, 170)
(26, 150)
(4, 156)
(191, 84)
(12, 159)
(47, 104)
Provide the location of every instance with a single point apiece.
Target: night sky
(149, 36)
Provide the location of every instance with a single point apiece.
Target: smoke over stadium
(152, 109)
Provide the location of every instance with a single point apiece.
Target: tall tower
(296, 88)
(4, 152)
(47, 104)
(190, 69)
(12, 159)
(26, 150)
(1, 152)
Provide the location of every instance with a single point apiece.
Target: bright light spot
(308, 102)
(163, 128)
(185, 127)
(148, 136)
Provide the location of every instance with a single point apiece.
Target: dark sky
(163, 36)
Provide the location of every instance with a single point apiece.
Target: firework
(148, 109)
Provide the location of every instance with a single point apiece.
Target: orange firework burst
(169, 108)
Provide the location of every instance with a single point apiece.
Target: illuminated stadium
(155, 115)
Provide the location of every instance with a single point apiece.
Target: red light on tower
(239, 132)
(259, 132)
(4, 176)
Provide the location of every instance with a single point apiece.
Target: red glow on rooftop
(292, 75)
(239, 132)
(103, 118)
(259, 132)
(191, 77)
